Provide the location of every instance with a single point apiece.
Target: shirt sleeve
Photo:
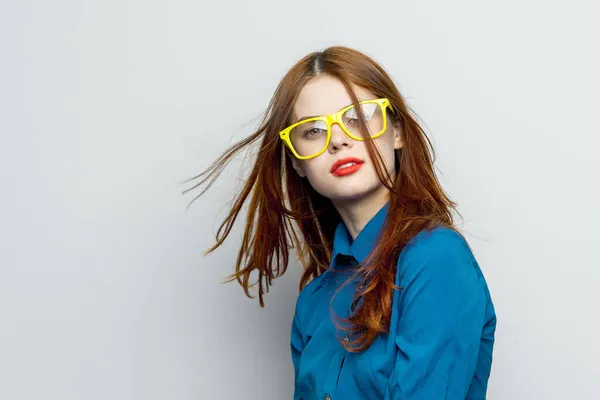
(296, 343)
(439, 320)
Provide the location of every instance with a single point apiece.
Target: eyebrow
(307, 117)
(314, 116)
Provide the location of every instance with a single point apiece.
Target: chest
(325, 363)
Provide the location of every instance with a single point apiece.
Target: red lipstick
(339, 168)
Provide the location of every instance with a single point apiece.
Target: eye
(368, 111)
(313, 133)
(352, 121)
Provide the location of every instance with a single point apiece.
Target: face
(325, 95)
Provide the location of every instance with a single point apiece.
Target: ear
(297, 166)
(398, 142)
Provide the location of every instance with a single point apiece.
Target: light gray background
(106, 106)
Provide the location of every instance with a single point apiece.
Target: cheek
(386, 148)
(315, 168)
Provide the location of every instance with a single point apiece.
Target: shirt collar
(360, 247)
(364, 242)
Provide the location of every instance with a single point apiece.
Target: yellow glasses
(310, 137)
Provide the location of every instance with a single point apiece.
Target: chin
(350, 192)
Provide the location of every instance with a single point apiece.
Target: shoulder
(440, 241)
(308, 289)
(441, 252)
(307, 302)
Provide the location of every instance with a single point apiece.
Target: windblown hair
(286, 212)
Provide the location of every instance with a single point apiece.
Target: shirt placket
(344, 300)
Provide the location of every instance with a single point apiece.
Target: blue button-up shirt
(441, 333)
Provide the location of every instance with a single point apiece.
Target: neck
(356, 213)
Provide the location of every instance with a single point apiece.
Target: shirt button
(346, 340)
(326, 397)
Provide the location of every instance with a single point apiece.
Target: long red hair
(286, 212)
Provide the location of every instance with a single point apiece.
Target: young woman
(392, 302)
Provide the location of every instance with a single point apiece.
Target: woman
(392, 302)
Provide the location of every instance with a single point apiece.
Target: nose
(339, 139)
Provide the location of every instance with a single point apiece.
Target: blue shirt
(441, 333)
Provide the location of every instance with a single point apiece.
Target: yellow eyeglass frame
(335, 118)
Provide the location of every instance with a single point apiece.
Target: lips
(345, 163)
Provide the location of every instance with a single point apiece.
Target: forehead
(325, 95)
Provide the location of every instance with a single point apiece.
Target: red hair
(285, 212)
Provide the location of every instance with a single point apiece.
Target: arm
(297, 345)
(441, 312)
